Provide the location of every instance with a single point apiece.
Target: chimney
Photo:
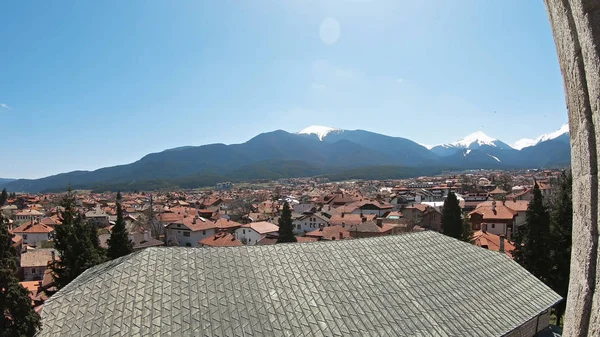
(342, 214)
(364, 219)
(379, 222)
(194, 220)
(341, 235)
(146, 236)
(494, 206)
(502, 243)
(484, 227)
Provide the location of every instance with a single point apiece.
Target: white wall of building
(308, 224)
(184, 237)
(34, 239)
(248, 236)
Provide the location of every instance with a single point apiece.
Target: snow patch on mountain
(526, 142)
(320, 131)
(478, 138)
(498, 160)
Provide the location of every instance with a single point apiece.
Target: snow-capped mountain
(526, 142)
(318, 130)
(473, 141)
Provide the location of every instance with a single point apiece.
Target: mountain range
(316, 150)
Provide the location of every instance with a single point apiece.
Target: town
(493, 206)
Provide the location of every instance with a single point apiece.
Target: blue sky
(88, 84)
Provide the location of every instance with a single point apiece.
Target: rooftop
(403, 285)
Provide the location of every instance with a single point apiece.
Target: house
(416, 284)
(28, 214)
(498, 193)
(139, 240)
(341, 219)
(35, 262)
(372, 228)
(424, 216)
(519, 206)
(309, 222)
(494, 242)
(495, 218)
(220, 239)
(520, 193)
(98, 217)
(331, 233)
(189, 231)
(34, 233)
(250, 234)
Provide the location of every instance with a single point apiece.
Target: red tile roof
(492, 242)
(330, 233)
(222, 239)
(33, 226)
(262, 227)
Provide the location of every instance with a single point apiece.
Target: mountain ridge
(316, 151)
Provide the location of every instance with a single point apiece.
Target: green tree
(3, 197)
(532, 240)
(467, 230)
(77, 244)
(452, 222)
(19, 318)
(286, 228)
(561, 225)
(119, 243)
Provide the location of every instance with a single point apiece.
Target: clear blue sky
(88, 84)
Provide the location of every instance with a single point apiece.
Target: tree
(77, 244)
(452, 223)
(467, 230)
(561, 225)
(3, 197)
(19, 318)
(533, 238)
(286, 228)
(119, 243)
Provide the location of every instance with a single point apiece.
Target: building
(309, 222)
(28, 214)
(495, 218)
(34, 233)
(418, 284)
(250, 234)
(220, 239)
(35, 262)
(188, 231)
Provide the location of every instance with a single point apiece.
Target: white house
(253, 232)
(188, 231)
(28, 214)
(33, 232)
(35, 262)
(308, 223)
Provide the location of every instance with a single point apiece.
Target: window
(24, 236)
(204, 232)
(298, 226)
(243, 231)
(186, 233)
(33, 270)
(188, 244)
(493, 225)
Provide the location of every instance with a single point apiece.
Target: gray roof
(422, 284)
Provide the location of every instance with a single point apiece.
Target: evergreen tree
(452, 222)
(467, 230)
(3, 197)
(286, 229)
(533, 238)
(561, 225)
(77, 244)
(19, 318)
(119, 243)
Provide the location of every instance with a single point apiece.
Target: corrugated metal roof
(420, 284)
